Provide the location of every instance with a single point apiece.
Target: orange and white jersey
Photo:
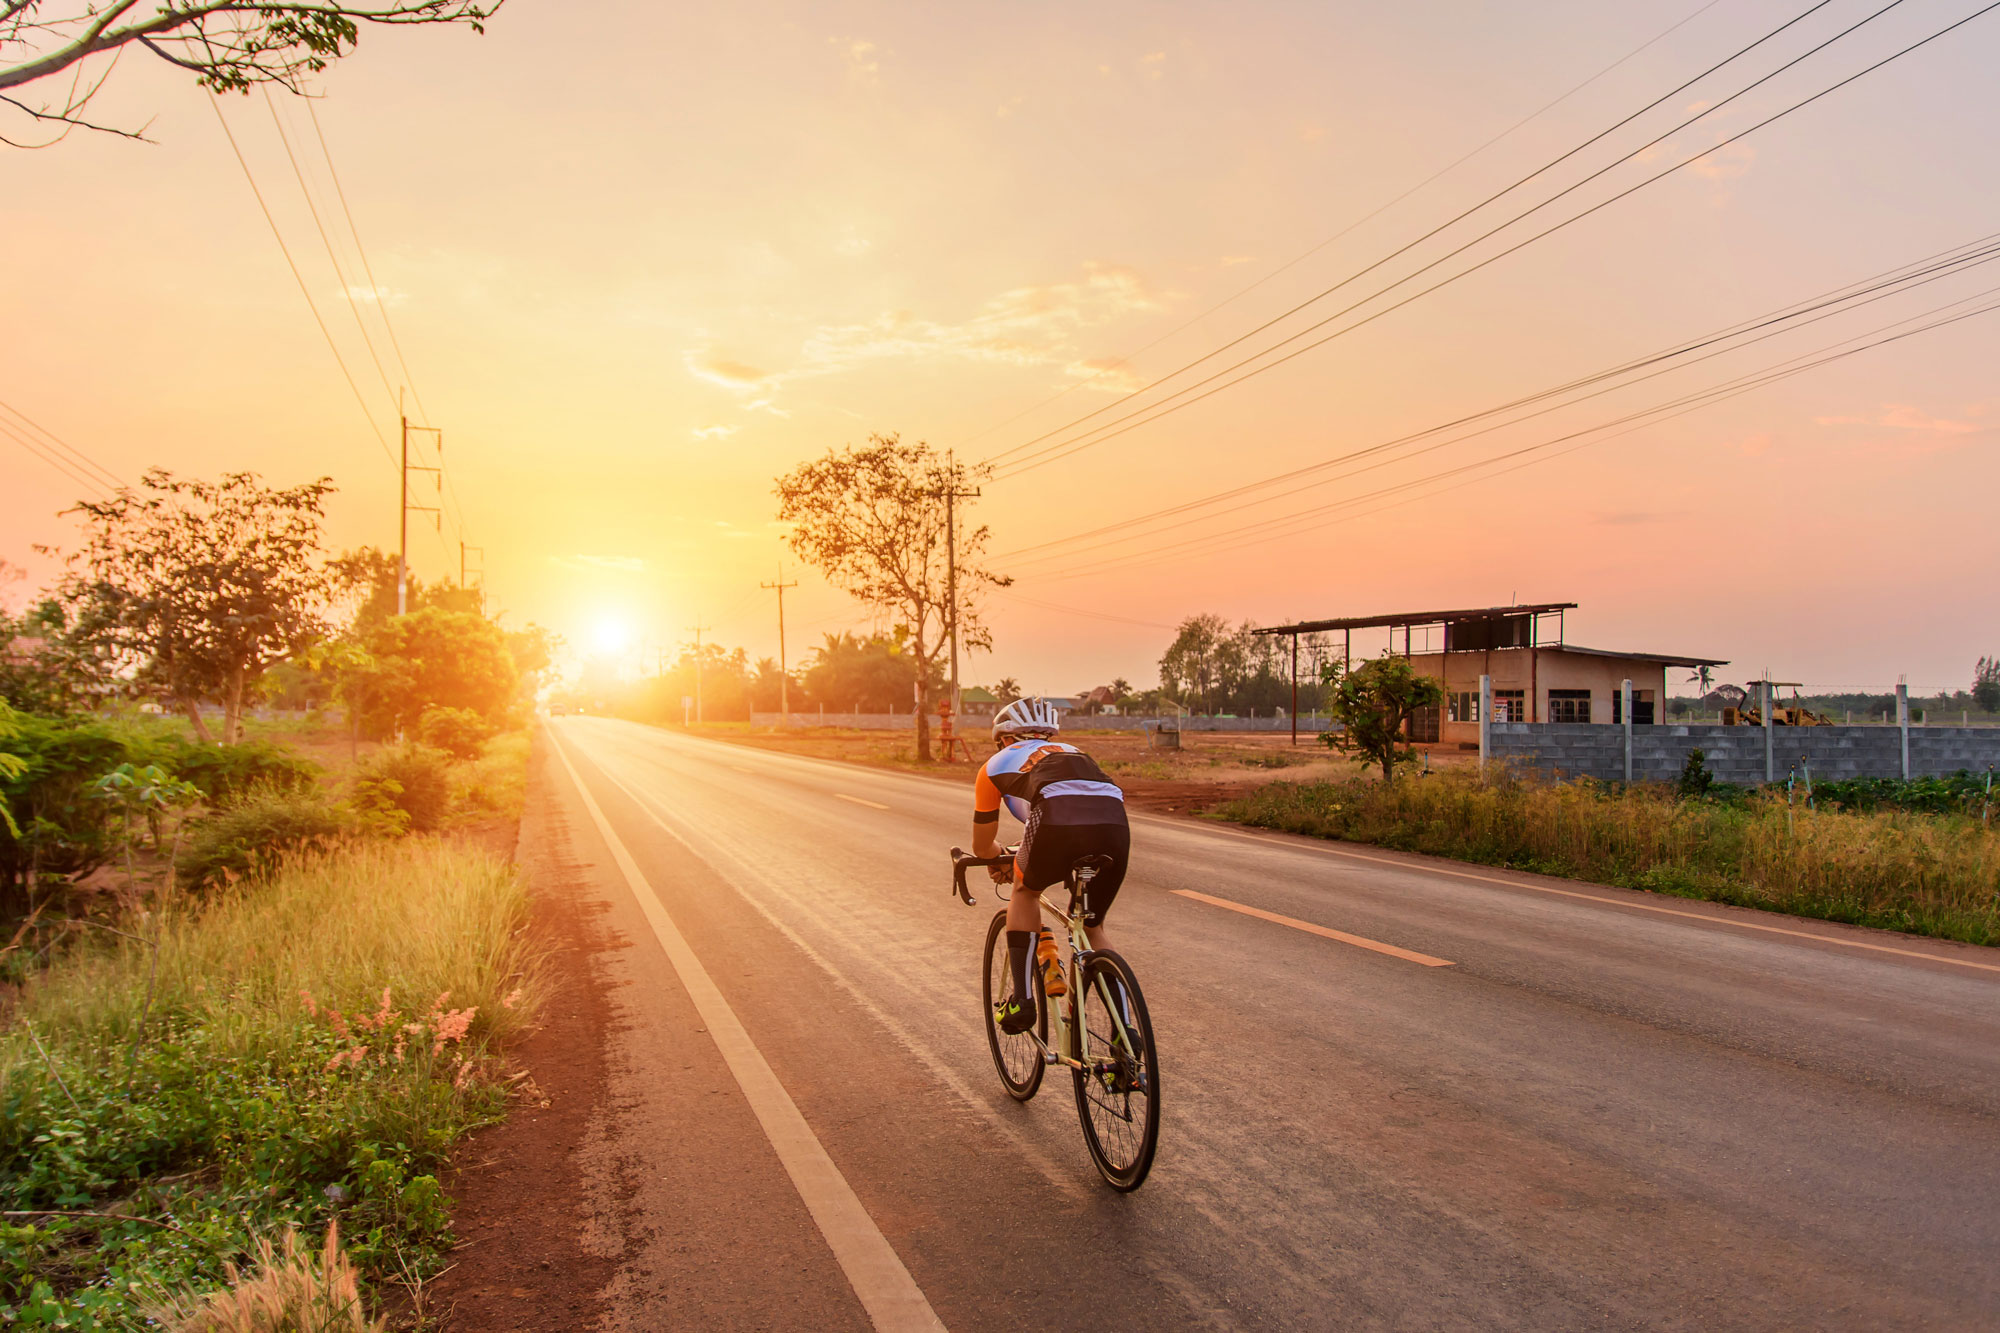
(1053, 777)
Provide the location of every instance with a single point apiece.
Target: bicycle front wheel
(1015, 1055)
(1118, 1089)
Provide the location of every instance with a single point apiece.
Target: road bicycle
(1099, 1028)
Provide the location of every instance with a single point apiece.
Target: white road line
(1358, 941)
(884, 1286)
(872, 805)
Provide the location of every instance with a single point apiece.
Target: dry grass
(291, 1291)
(420, 917)
(1925, 874)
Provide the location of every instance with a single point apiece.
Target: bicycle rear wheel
(1118, 1094)
(1015, 1055)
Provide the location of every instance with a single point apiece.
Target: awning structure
(1664, 659)
(1406, 619)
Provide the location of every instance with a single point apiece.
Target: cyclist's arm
(985, 817)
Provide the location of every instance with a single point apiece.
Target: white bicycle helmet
(1026, 715)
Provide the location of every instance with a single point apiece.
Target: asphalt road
(1610, 1111)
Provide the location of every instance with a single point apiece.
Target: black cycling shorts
(1048, 851)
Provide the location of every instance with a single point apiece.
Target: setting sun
(611, 636)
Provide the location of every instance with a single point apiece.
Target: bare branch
(228, 45)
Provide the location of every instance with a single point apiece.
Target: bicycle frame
(1056, 1050)
(1060, 1037)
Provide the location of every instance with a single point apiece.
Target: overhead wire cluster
(1275, 344)
(333, 220)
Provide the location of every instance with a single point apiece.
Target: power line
(304, 291)
(51, 440)
(1064, 449)
(1292, 524)
(53, 460)
(1344, 231)
(1023, 598)
(1453, 221)
(346, 289)
(381, 306)
(1876, 287)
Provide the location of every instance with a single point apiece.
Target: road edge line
(889, 1295)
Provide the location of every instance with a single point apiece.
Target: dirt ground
(520, 1261)
(1211, 767)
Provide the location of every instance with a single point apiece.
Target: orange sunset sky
(642, 258)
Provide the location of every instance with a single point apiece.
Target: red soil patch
(520, 1262)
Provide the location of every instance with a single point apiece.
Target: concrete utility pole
(404, 507)
(1770, 750)
(951, 497)
(784, 677)
(1485, 720)
(481, 571)
(1625, 715)
(1903, 723)
(698, 630)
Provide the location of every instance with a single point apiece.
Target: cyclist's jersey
(1057, 781)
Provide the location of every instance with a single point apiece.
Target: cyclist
(1072, 810)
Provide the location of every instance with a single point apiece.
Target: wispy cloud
(1918, 432)
(1022, 326)
(863, 64)
(706, 364)
(1906, 416)
(713, 432)
(373, 295)
(623, 564)
(1727, 163)
(1106, 375)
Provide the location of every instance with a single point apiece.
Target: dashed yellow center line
(1359, 942)
(872, 805)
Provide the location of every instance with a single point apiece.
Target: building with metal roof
(1538, 675)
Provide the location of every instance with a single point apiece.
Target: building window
(1569, 705)
(1642, 707)
(1464, 706)
(1510, 705)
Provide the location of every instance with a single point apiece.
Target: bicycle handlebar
(961, 861)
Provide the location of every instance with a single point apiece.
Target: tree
(1190, 666)
(1007, 691)
(435, 658)
(228, 45)
(1986, 684)
(196, 587)
(872, 520)
(1372, 703)
(364, 584)
(874, 674)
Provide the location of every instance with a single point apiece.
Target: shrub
(227, 772)
(251, 838)
(1695, 776)
(459, 732)
(64, 832)
(413, 779)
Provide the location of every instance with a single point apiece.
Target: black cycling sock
(1020, 948)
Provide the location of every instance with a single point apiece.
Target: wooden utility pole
(952, 495)
(404, 507)
(784, 677)
(698, 629)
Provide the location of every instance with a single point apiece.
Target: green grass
(1927, 874)
(262, 1089)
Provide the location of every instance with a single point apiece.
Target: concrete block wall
(979, 725)
(1736, 754)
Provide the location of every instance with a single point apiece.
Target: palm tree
(1008, 690)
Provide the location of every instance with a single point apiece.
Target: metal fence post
(1485, 720)
(1625, 706)
(1903, 724)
